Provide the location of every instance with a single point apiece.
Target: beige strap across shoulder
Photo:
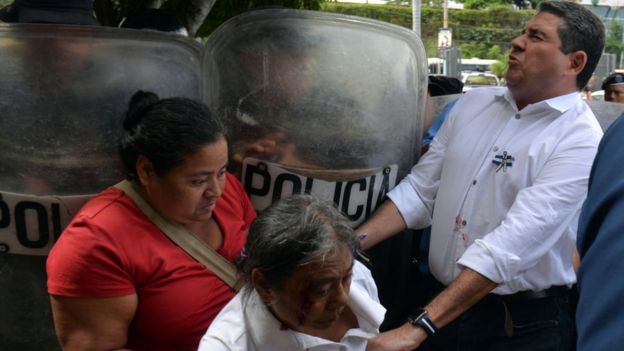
(197, 248)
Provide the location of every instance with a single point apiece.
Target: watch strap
(421, 319)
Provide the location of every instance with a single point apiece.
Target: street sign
(445, 38)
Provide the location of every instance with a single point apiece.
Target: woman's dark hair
(165, 131)
(292, 232)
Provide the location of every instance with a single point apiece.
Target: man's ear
(262, 287)
(144, 170)
(578, 60)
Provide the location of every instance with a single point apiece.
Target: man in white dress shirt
(502, 184)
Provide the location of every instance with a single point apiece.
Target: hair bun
(139, 103)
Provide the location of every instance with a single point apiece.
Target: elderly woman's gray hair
(293, 232)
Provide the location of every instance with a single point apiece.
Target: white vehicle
(437, 65)
(476, 64)
(478, 79)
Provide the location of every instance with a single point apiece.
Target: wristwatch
(420, 318)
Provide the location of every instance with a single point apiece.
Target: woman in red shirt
(116, 281)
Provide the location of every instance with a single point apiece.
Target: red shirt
(111, 249)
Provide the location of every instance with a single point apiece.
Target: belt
(528, 295)
(553, 291)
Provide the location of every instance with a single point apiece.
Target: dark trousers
(538, 324)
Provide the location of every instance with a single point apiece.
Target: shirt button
(464, 223)
(517, 116)
(495, 148)
(474, 182)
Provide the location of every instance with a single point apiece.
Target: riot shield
(606, 112)
(63, 93)
(326, 104)
(338, 99)
(435, 105)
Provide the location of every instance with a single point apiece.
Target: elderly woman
(116, 280)
(304, 289)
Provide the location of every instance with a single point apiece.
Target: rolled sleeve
(407, 201)
(493, 262)
(415, 195)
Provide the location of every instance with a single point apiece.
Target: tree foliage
(480, 30)
(614, 43)
(483, 4)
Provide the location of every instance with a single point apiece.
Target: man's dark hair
(581, 30)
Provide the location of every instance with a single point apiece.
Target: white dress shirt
(504, 188)
(246, 324)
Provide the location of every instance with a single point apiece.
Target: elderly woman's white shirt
(246, 324)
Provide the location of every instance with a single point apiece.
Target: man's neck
(523, 100)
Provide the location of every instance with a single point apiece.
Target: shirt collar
(267, 333)
(560, 103)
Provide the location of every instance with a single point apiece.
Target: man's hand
(464, 292)
(405, 338)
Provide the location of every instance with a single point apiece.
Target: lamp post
(416, 16)
(445, 16)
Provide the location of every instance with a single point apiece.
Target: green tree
(483, 4)
(473, 49)
(614, 44)
(499, 68)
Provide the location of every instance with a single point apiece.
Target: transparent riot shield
(63, 93)
(326, 104)
(435, 105)
(606, 112)
(319, 103)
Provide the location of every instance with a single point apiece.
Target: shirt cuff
(494, 263)
(407, 201)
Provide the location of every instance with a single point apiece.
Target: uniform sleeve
(83, 263)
